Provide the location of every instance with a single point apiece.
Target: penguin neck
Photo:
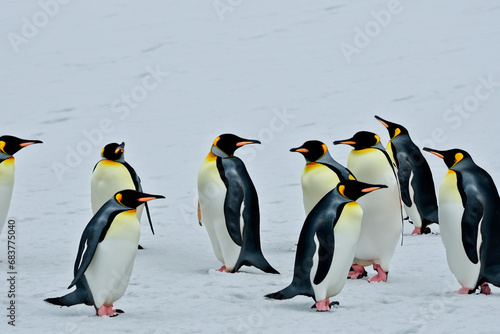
(120, 160)
(326, 159)
(218, 152)
(379, 146)
(4, 156)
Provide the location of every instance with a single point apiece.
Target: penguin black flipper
(240, 185)
(93, 234)
(404, 174)
(138, 186)
(471, 218)
(234, 197)
(326, 241)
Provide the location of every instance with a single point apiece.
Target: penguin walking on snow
(229, 207)
(382, 219)
(112, 174)
(469, 221)
(321, 173)
(415, 178)
(9, 145)
(106, 254)
(327, 244)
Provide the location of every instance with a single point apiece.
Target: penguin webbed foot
(381, 274)
(357, 272)
(485, 289)
(108, 311)
(324, 305)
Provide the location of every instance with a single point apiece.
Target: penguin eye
(2, 146)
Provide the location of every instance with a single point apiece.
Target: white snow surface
(268, 70)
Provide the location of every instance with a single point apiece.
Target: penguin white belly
(108, 274)
(6, 185)
(212, 194)
(412, 211)
(451, 211)
(316, 180)
(108, 178)
(346, 234)
(381, 225)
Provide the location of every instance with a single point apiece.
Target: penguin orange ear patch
(2, 145)
(119, 197)
(216, 141)
(397, 132)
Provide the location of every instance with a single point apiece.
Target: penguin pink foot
(381, 276)
(463, 291)
(485, 289)
(323, 305)
(222, 269)
(106, 311)
(357, 272)
(416, 231)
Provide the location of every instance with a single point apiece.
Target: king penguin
(9, 145)
(383, 218)
(112, 174)
(321, 173)
(415, 178)
(106, 254)
(469, 221)
(229, 207)
(327, 244)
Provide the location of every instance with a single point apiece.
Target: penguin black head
(450, 157)
(361, 140)
(113, 151)
(132, 199)
(228, 143)
(312, 150)
(393, 128)
(353, 189)
(10, 145)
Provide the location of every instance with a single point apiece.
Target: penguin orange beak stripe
(302, 150)
(368, 190)
(384, 123)
(348, 142)
(437, 154)
(145, 199)
(243, 143)
(27, 144)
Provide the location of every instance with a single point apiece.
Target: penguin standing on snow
(9, 145)
(321, 173)
(327, 244)
(229, 206)
(469, 221)
(112, 174)
(415, 178)
(106, 254)
(382, 218)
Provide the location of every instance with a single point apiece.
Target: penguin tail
(255, 259)
(289, 292)
(70, 299)
(80, 296)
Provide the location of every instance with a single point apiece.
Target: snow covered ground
(167, 77)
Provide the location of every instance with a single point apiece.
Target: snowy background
(167, 77)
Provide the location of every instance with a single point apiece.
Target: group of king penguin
(354, 216)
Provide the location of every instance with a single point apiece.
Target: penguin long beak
(246, 142)
(435, 152)
(149, 198)
(346, 141)
(370, 189)
(299, 149)
(30, 142)
(120, 148)
(383, 121)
